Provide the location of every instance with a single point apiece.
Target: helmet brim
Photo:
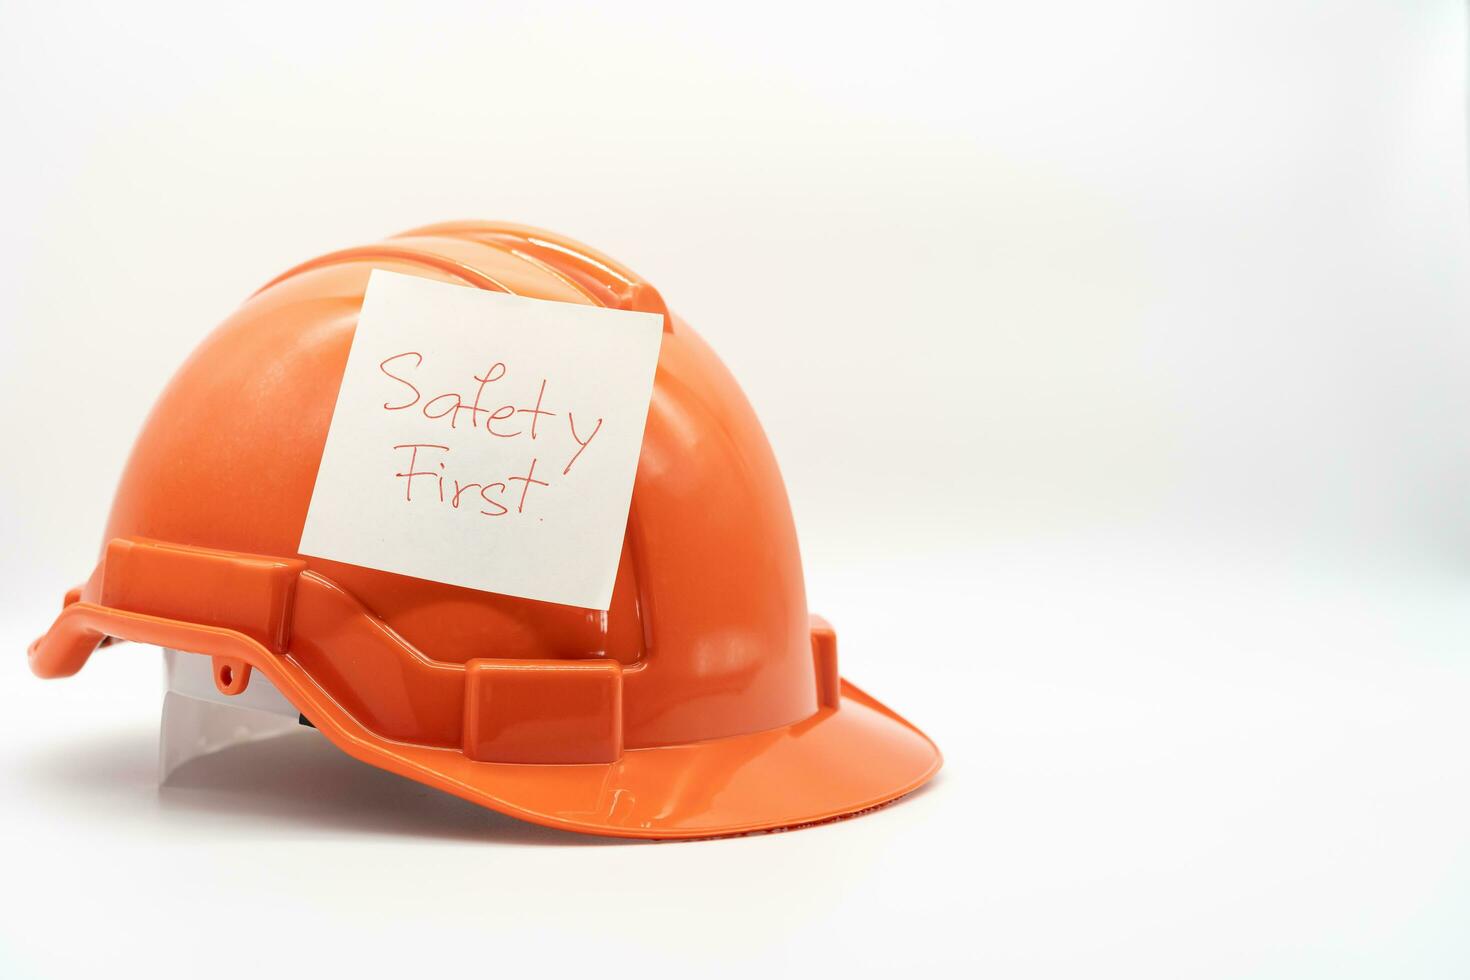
(840, 762)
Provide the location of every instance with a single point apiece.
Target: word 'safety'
(485, 440)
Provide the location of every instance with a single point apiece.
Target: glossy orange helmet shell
(705, 701)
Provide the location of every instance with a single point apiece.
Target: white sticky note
(485, 440)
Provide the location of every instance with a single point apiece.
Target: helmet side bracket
(242, 611)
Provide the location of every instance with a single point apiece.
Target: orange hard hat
(704, 701)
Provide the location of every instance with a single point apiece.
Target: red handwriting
(426, 461)
(439, 479)
(581, 443)
(528, 479)
(384, 368)
(409, 475)
(451, 403)
(536, 412)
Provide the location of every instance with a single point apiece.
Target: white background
(1164, 541)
